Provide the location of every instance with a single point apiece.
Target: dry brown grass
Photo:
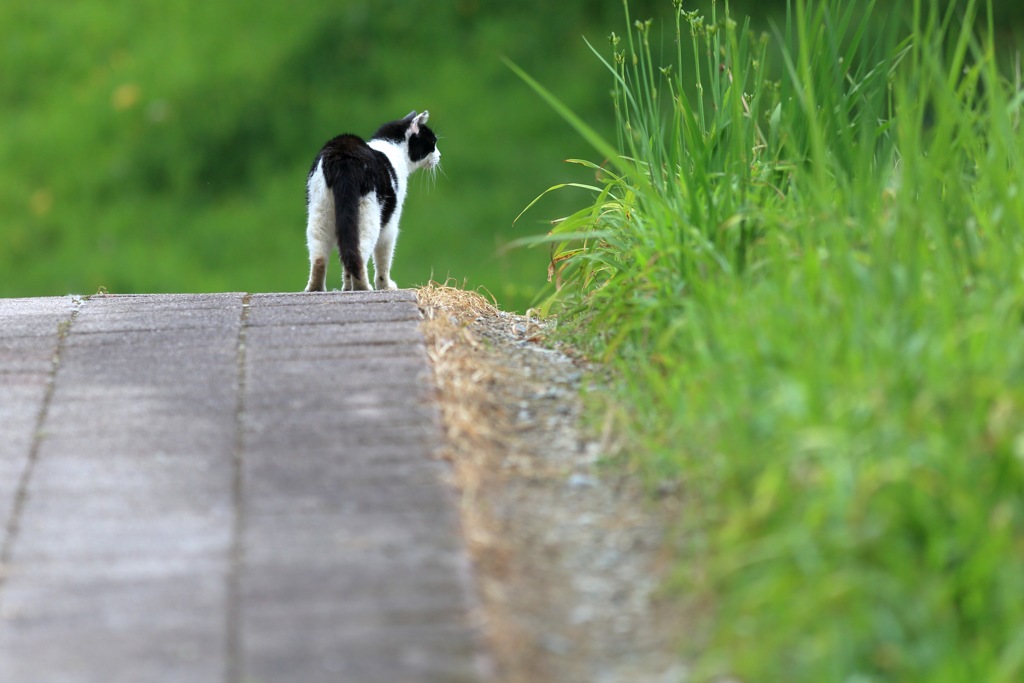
(478, 429)
(541, 546)
(475, 425)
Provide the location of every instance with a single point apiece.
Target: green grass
(805, 258)
(163, 146)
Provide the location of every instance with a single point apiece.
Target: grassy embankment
(805, 256)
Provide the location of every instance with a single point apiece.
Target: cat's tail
(346, 218)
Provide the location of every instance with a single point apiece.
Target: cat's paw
(389, 284)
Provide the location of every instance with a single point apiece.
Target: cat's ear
(419, 119)
(410, 116)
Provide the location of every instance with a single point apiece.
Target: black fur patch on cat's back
(348, 160)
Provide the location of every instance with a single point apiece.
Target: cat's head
(415, 136)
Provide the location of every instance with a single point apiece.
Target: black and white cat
(354, 197)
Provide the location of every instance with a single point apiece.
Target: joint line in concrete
(21, 492)
(236, 560)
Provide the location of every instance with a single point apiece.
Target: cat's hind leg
(355, 271)
(320, 243)
(357, 254)
(317, 275)
(382, 255)
(352, 212)
(321, 236)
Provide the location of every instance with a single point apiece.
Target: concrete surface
(225, 487)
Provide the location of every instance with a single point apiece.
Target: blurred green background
(163, 146)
